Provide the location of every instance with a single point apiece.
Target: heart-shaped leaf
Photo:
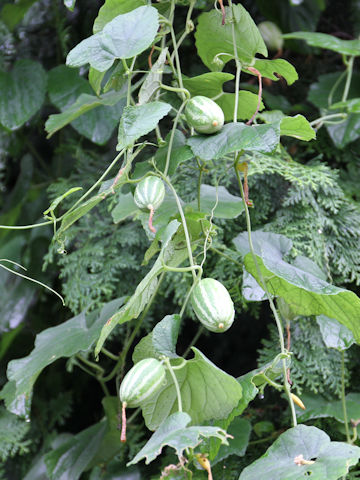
(74, 335)
(214, 41)
(123, 37)
(207, 393)
(175, 433)
(25, 89)
(95, 117)
(303, 452)
(235, 136)
(320, 407)
(305, 293)
(227, 205)
(139, 120)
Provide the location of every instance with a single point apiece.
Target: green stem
(334, 87)
(171, 140)
(176, 90)
(219, 252)
(167, 268)
(90, 364)
(132, 337)
(187, 30)
(201, 170)
(176, 384)
(183, 220)
(109, 354)
(328, 117)
(343, 399)
(349, 71)
(272, 305)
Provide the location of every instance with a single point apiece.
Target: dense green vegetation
(118, 194)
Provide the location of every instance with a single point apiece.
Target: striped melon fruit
(140, 383)
(212, 305)
(149, 193)
(204, 115)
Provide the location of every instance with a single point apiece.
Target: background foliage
(309, 193)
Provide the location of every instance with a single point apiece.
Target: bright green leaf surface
(180, 152)
(332, 459)
(12, 14)
(113, 8)
(139, 120)
(153, 79)
(297, 127)
(25, 87)
(207, 393)
(319, 407)
(246, 107)
(268, 68)
(123, 37)
(73, 336)
(70, 4)
(175, 433)
(95, 117)
(228, 206)
(161, 341)
(322, 40)
(125, 208)
(240, 429)
(213, 38)
(235, 136)
(72, 457)
(305, 293)
(334, 334)
(146, 287)
(208, 84)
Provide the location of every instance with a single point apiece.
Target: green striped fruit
(204, 115)
(149, 193)
(142, 381)
(212, 305)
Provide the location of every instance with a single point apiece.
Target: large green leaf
(268, 69)
(305, 293)
(297, 127)
(281, 460)
(12, 14)
(247, 105)
(207, 393)
(72, 457)
(213, 38)
(72, 94)
(147, 286)
(175, 433)
(322, 40)
(113, 8)
(139, 120)
(320, 407)
(334, 334)
(180, 152)
(228, 206)
(153, 79)
(73, 336)
(235, 136)
(348, 130)
(240, 430)
(209, 84)
(23, 93)
(123, 37)
(161, 341)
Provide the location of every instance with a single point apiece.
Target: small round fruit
(212, 305)
(149, 193)
(142, 381)
(204, 115)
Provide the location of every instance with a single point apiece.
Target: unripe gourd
(212, 305)
(149, 195)
(204, 115)
(140, 383)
